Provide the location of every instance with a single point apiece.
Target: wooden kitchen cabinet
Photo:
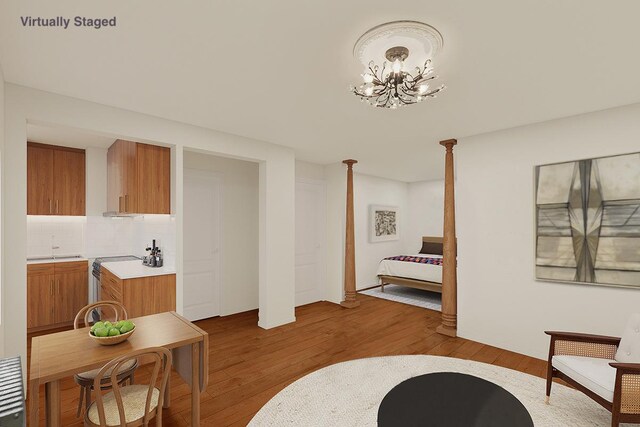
(141, 296)
(55, 180)
(40, 300)
(69, 182)
(71, 290)
(55, 293)
(39, 179)
(153, 179)
(139, 178)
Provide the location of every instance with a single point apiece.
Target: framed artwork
(383, 223)
(588, 221)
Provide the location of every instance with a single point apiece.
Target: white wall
(162, 228)
(65, 233)
(239, 285)
(370, 190)
(499, 302)
(108, 237)
(426, 212)
(305, 170)
(2, 215)
(336, 177)
(276, 209)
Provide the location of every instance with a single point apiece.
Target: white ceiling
(279, 70)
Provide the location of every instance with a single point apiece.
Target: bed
(420, 271)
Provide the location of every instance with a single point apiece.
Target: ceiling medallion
(398, 64)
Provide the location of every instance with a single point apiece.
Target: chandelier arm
(376, 80)
(386, 101)
(405, 101)
(434, 91)
(426, 79)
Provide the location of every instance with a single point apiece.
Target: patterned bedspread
(416, 259)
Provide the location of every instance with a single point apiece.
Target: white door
(310, 241)
(202, 217)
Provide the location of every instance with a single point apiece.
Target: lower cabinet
(140, 296)
(40, 299)
(55, 293)
(71, 290)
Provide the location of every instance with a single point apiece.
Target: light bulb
(368, 78)
(397, 66)
(423, 88)
(368, 90)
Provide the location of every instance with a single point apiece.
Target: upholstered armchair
(607, 369)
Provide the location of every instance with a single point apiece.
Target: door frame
(323, 254)
(219, 177)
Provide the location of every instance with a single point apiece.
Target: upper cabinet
(139, 178)
(55, 180)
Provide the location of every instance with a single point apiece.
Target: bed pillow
(431, 248)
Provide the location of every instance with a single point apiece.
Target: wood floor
(249, 365)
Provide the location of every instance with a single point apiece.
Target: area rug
(405, 295)
(349, 393)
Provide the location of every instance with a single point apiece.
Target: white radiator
(12, 410)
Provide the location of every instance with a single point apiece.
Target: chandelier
(400, 80)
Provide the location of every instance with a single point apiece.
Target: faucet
(53, 246)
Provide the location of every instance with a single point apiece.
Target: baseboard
(274, 324)
(366, 289)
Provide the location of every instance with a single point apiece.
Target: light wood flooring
(249, 365)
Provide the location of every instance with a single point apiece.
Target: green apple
(127, 327)
(113, 332)
(101, 332)
(97, 325)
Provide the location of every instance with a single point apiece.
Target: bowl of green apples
(107, 333)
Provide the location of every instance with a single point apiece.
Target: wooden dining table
(60, 355)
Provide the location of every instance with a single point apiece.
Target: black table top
(451, 399)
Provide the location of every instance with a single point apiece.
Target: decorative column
(350, 248)
(449, 279)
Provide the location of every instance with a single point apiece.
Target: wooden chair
(131, 405)
(607, 369)
(112, 311)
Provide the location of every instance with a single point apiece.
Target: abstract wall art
(588, 221)
(384, 224)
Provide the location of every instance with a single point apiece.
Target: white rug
(405, 295)
(349, 393)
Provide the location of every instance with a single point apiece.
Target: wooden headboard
(431, 245)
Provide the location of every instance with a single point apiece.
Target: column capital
(449, 143)
(350, 162)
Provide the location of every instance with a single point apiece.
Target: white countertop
(58, 259)
(134, 269)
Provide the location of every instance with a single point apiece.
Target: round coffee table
(451, 399)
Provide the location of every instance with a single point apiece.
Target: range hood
(114, 214)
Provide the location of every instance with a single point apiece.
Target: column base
(350, 304)
(448, 331)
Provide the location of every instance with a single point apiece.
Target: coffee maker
(154, 259)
